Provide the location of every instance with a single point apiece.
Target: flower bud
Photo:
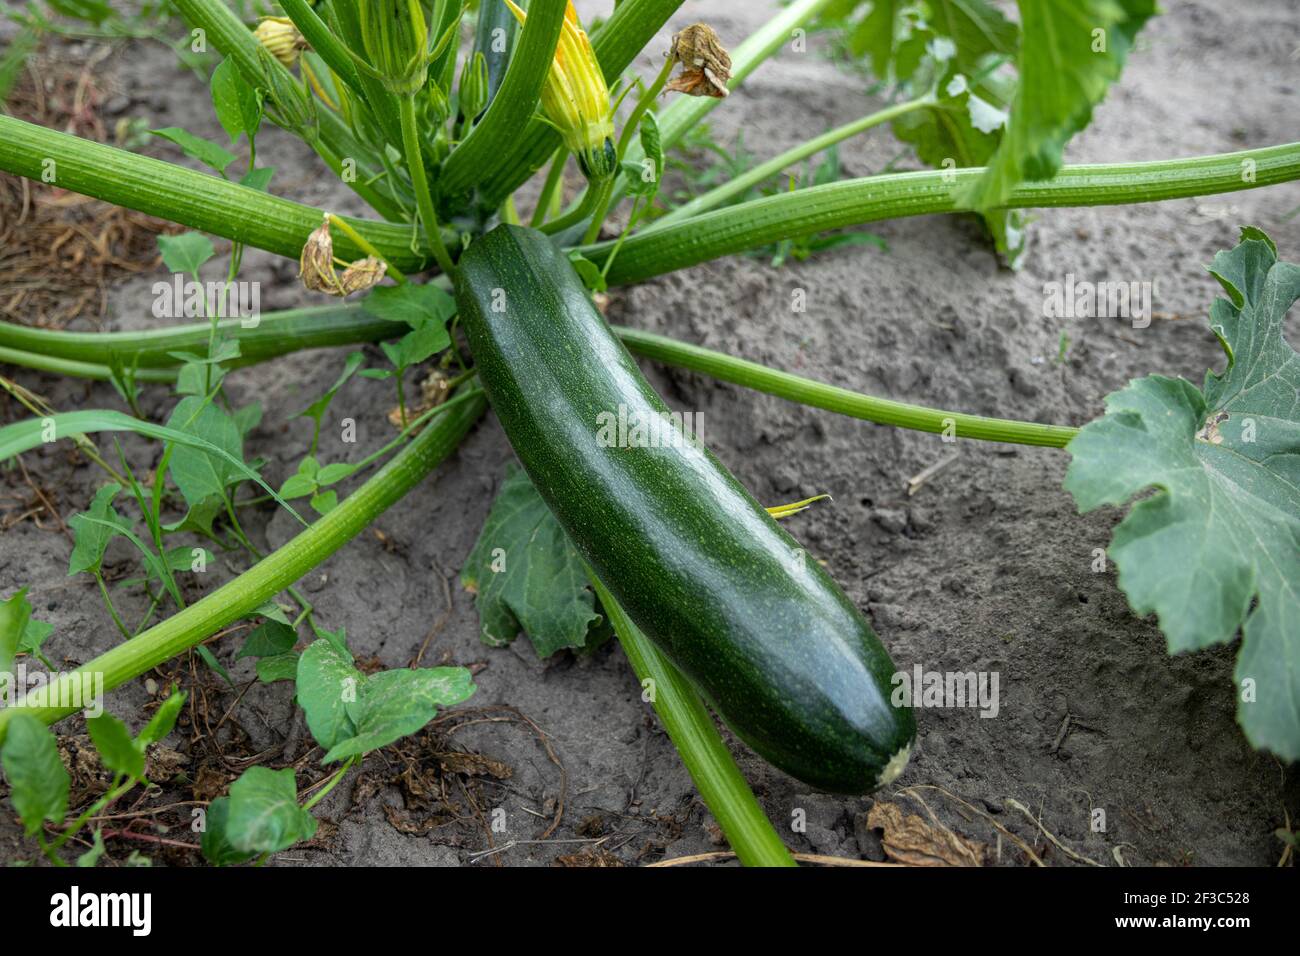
(473, 86)
(395, 37)
(280, 38)
(576, 100)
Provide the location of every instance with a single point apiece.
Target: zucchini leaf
(1216, 548)
(1070, 53)
(526, 575)
(960, 51)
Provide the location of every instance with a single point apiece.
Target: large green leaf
(38, 782)
(1217, 546)
(1070, 53)
(527, 575)
(894, 35)
(215, 844)
(963, 129)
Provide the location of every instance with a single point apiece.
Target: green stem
(60, 366)
(277, 571)
(487, 147)
(329, 47)
(114, 793)
(717, 365)
(699, 744)
(198, 200)
(599, 207)
(583, 211)
(764, 171)
(606, 190)
(550, 188)
(840, 400)
(108, 603)
(334, 782)
(756, 223)
(688, 111)
(420, 180)
(275, 334)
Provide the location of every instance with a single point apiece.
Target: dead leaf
(911, 840)
(473, 765)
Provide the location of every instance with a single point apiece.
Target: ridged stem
(90, 353)
(698, 743)
(660, 249)
(766, 170)
(488, 147)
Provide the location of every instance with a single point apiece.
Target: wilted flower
(706, 65)
(576, 99)
(362, 275)
(281, 39)
(316, 267)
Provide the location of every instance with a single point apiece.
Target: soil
(988, 567)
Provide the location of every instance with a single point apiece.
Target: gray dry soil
(987, 568)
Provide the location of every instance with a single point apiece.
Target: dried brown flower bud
(706, 65)
(363, 274)
(316, 264)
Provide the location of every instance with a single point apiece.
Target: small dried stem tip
(706, 65)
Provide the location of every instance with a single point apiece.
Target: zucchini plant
(442, 117)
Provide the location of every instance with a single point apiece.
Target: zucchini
(769, 640)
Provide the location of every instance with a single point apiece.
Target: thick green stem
(91, 350)
(198, 200)
(764, 171)
(488, 147)
(552, 189)
(260, 583)
(699, 744)
(753, 224)
(230, 37)
(329, 47)
(420, 180)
